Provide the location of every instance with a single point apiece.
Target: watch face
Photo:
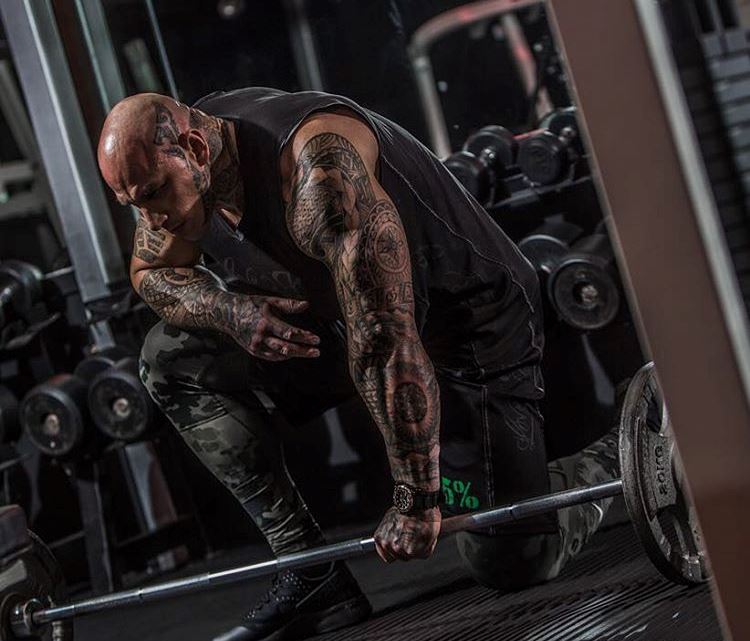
(403, 499)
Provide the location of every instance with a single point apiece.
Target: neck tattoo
(225, 194)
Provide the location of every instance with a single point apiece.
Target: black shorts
(492, 441)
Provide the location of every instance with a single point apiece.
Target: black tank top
(477, 300)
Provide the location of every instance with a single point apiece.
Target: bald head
(157, 154)
(134, 131)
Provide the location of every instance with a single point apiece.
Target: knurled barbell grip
(325, 554)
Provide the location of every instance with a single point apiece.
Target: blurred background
(101, 476)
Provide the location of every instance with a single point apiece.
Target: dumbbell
(119, 404)
(9, 428)
(546, 154)
(20, 289)
(55, 414)
(484, 159)
(583, 286)
(546, 245)
(558, 120)
(99, 361)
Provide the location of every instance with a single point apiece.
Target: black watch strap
(426, 500)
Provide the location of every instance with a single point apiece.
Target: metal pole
(419, 52)
(161, 48)
(26, 618)
(101, 51)
(66, 153)
(303, 46)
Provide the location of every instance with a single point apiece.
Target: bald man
(373, 275)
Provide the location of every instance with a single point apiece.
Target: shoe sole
(331, 619)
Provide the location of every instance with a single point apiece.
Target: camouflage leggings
(203, 383)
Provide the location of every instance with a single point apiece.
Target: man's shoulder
(339, 126)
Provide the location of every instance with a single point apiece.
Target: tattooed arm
(338, 213)
(164, 272)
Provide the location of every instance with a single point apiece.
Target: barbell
(652, 485)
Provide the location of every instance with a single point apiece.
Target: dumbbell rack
(157, 533)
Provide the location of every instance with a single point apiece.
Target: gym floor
(611, 592)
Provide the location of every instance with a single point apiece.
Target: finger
(290, 350)
(288, 305)
(397, 552)
(268, 354)
(290, 333)
(385, 556)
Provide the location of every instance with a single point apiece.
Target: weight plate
(659, 506)
(543, 252)
(99, 361)
(583, 293)
(496, 144)
(24, 281)
(119, 404)
(52, 414)
(32, 573)
(546, 245)
(543, 158)
(471, 173)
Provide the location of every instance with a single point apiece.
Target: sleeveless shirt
(476, 297)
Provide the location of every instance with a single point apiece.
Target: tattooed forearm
(335, 215)
(192, 298)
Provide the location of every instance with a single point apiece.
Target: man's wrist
(409, 499)
(245, 311)
(424, 481)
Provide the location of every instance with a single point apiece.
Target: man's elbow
(386, 343)
(385, 330)
(136, 277)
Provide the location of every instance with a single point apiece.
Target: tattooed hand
(262, 334)
(194, 298)
(407, 537)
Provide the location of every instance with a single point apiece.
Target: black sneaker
(301, 603)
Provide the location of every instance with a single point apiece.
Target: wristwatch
(408, 499)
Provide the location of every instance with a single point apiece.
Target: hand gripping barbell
(651, 484)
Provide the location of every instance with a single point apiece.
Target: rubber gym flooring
(610, 592)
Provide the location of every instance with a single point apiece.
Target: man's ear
(194, 140)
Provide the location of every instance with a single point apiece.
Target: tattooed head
(160, 155)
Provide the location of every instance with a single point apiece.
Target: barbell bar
(651, 484)
(27, 618)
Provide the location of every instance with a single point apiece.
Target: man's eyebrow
(136, 193)
(146, 189)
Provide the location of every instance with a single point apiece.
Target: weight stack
(712, 54)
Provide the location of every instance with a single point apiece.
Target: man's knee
(169, 356)
(510, 561)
